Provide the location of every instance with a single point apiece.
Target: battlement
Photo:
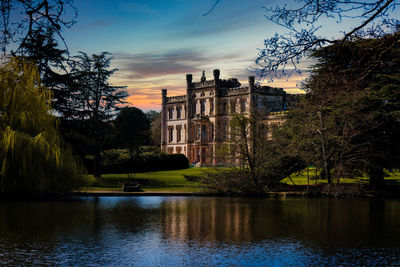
(176, 99)
(234, 91)
(203, 84)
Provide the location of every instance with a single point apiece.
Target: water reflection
(321, 221)
(196, 231)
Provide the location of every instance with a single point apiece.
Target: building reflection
(319, 221)
(209, 220)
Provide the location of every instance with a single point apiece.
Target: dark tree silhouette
(132, 130)
(19, 19)
(302, 22)
(97, 100)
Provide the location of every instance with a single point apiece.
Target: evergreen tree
(96, 99)
(42, 49)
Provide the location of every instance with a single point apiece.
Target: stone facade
(196, 123)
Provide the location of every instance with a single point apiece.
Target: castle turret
(251, 83)
(216, 75)
(163, 120)
(252, 97)
(189, 79)
(164, 95)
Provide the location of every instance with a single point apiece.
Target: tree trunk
(376, 177)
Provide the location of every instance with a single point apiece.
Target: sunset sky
(156, 42)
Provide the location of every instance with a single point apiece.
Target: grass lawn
(176, 182)
(158, 181)
(301, 178)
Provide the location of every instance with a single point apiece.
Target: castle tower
(164, 120)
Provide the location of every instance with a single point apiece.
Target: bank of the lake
(178, 183)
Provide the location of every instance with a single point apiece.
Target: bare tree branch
(212, 8)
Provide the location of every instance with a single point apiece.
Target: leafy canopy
(33, 158)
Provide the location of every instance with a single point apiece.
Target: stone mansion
(196, 123)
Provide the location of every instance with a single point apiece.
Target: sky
(155, 43)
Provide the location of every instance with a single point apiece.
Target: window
(233, 106)
(211, 106)
(178, 133)
(224, 108)
(212, 131)
(178, 112)
(204, 132)
(170, 134)
(170, 113)
(178, 150)
(203, 106)
(198, 131)
(243, 106)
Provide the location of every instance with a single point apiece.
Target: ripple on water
(193, 231)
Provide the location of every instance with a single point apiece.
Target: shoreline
(276, 194)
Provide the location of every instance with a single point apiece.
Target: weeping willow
(33, 158)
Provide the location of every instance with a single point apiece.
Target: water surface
(191, 231)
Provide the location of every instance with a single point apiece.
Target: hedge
(118, 161)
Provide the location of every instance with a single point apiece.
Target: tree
(21, 18)
(259, 162)
(97, 101)
(350, 115)
(52, 62)
(34, 160)
(133, 129)
(155, 125)
(303, 21)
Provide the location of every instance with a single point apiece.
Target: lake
(193, 231)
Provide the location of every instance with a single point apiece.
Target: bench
(131, 187)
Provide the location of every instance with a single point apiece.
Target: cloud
(145, 74)
(146, 65)
(93, 25)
